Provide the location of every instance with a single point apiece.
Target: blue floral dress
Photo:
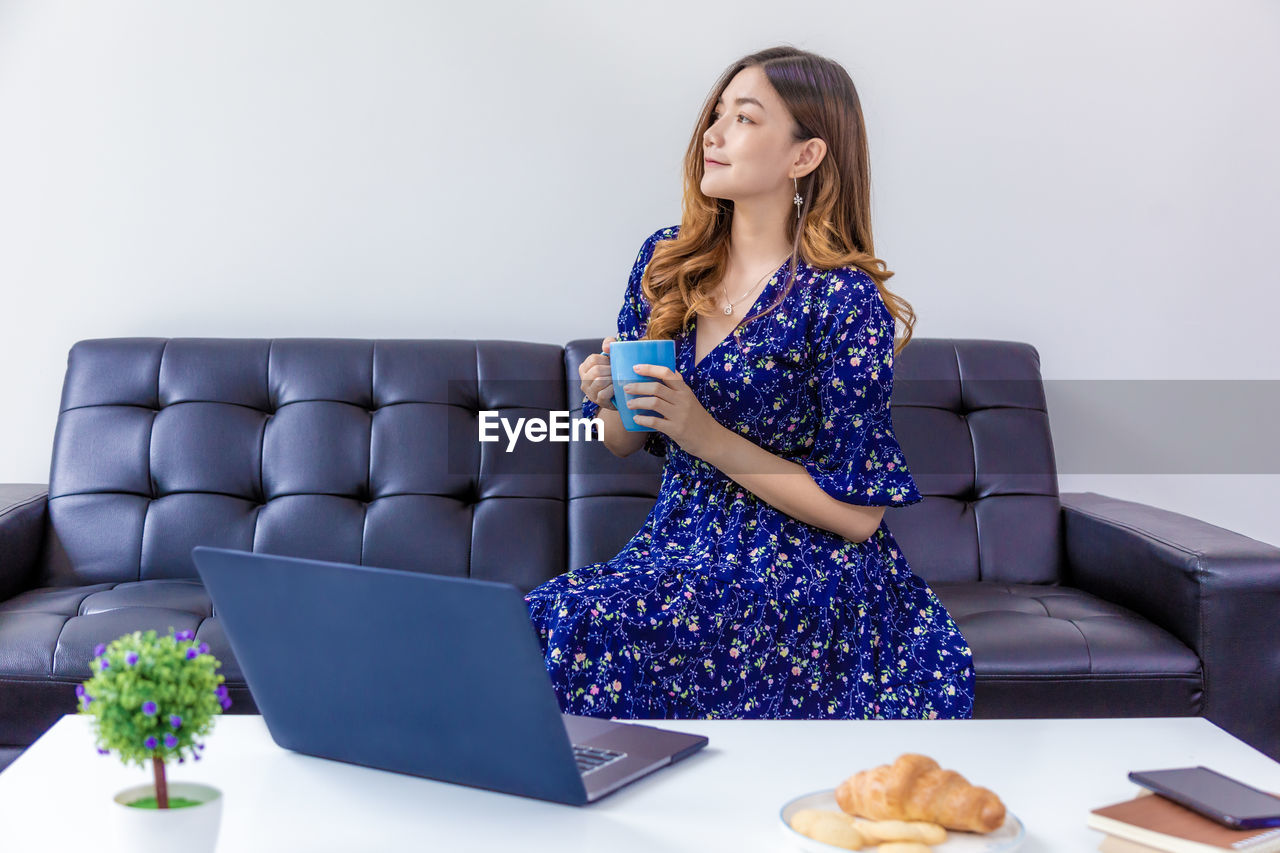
(722, 606)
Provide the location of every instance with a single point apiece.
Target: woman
(764, 583)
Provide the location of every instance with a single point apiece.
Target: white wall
(1097, 178)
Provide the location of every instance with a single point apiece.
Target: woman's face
(752, 138)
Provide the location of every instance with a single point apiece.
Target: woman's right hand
(597, 380)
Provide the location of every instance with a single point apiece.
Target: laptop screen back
(423, 674)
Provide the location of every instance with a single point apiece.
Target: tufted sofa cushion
(347, 450)
(1047, 650)
(47, 637)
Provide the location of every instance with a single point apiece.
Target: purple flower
(175, 721)
(182, 760)
(170, 741)
(220, 691)
(102, 751)
(99, 650)
(149, 708)
(204, 648)
(104, 663)
(226, 703)
(131, 658)
(191, 653)
(80, 691)
(150, 743)
(185, 635)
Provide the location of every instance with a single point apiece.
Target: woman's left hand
(683, 418)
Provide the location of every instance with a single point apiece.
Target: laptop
(423, 674)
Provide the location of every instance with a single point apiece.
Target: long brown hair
(836, 212)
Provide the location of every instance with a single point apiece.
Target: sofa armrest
(22, 511)
(1217, 591)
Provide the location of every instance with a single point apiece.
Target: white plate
(1007, 837)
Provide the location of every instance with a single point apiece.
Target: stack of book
(1149, 823)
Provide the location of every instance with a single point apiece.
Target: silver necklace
(729, 310)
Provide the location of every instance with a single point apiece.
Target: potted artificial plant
(154, 699)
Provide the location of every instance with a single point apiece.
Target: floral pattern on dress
(721, 605)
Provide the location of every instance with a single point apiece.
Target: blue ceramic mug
(623, 358)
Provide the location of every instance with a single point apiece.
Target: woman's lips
(711, 162)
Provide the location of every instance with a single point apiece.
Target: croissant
(914, 787)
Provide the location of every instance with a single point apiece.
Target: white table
(725, 797)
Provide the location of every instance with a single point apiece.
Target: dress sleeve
(633, 318)
(855, 456)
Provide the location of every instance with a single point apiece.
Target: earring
(798, 199)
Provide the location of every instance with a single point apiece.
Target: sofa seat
(1046, 650)
(47, 637)
(1037, 648)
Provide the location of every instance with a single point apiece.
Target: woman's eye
(716, 117)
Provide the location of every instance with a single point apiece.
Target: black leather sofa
(1075, 605)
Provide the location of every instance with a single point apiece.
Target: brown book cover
(1165, 825)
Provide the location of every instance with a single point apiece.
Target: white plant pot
(190, 829)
